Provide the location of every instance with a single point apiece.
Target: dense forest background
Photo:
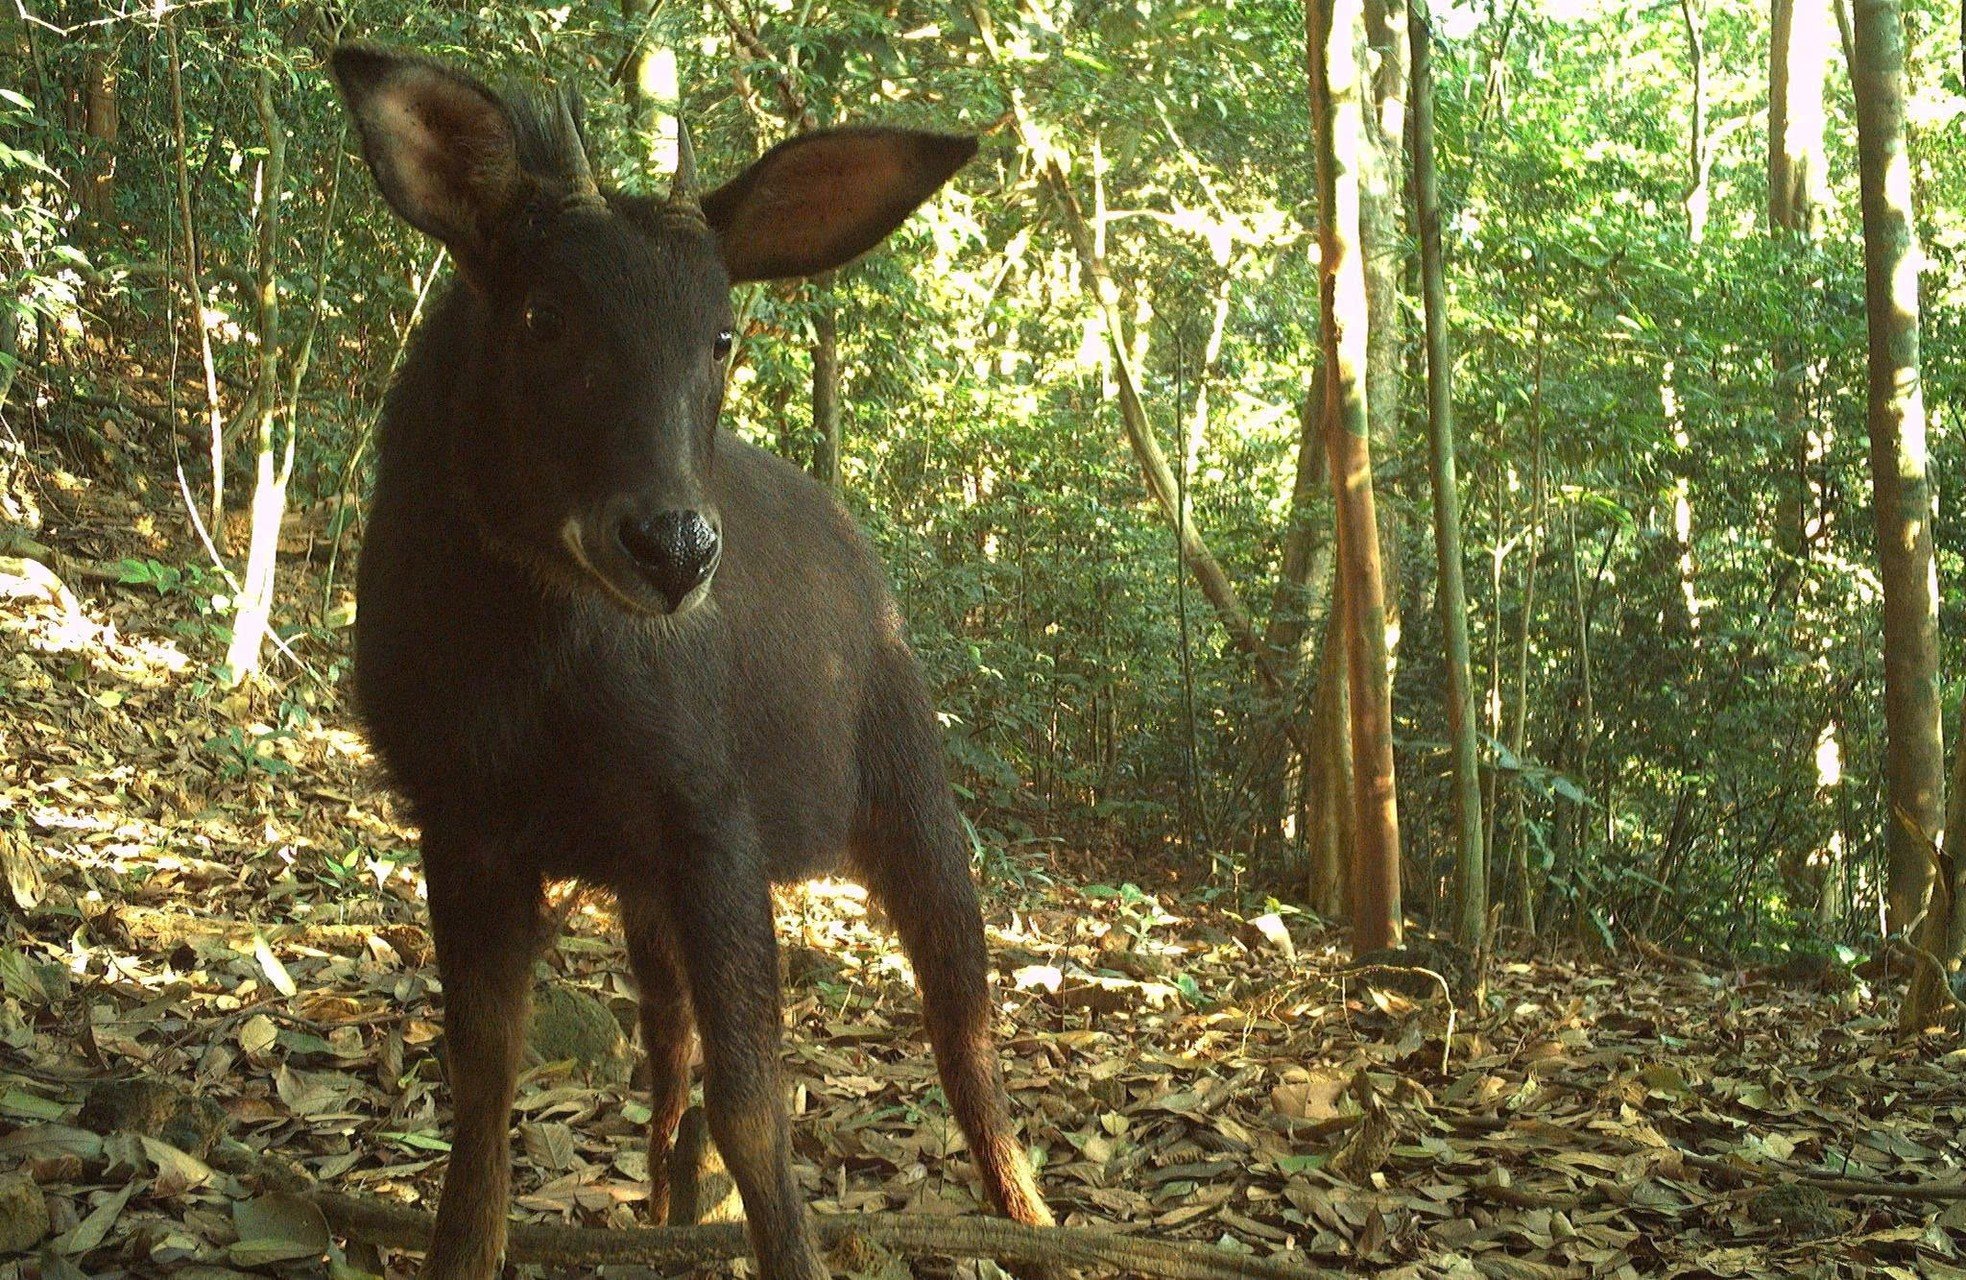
(1673, 595)
(1110, 405)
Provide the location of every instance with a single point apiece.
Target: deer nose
(675, 550)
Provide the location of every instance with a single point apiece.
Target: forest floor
(212, 898)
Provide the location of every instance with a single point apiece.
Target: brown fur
(550, 715)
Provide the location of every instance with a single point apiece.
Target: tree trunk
(1955, 851)
(1295, 601)
(1902, 497)
(1301, 593)
(1333, 810)
(1802, 33)
(1470, 864)
(1525, 888)
(214, 415)
(1798, 182)
(1698, 197)
(826, 383)
(254, 606)
(102, 123)
(1382, 166)
(1801, 36)
(1376, 917)
(1942, 937)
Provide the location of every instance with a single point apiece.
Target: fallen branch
(913, 1235)
(16, 543)
(1762, 1174)
(1832, 1183)
(38, 577)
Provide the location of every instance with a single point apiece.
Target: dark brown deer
(601, 640)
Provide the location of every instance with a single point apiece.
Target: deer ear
(818, 201)
(441, 145)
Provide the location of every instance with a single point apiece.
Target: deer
(600, 639)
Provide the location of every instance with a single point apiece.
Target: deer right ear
(441, 146)
(820, 200)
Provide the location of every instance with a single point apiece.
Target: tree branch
(912, 1235)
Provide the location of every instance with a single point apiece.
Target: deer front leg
(667, 1035)
(721, 904)
(489, 926)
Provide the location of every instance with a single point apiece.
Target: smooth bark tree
(1286, 785)
(1470, 864)
(1942, 936)
(1801, 35)
(273, 467)
(214, 414)
(1384, 242)
(1340, 95)
(822, 289)
(1698, 198)
(1901, 492)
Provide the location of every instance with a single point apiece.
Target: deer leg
(721, 904)
(914, 857)
(489, 925)
(667, 1029)
(935, 913)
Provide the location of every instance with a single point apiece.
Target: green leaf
(278, 1228)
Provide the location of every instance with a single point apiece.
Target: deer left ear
(820, 200)
(442, 146)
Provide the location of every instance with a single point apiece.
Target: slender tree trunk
(254, 607)
(1294, 603)
(214, 417)
(1525, 889)
(1942, 936)
(1801, 36)
(1301, 593)
(826, 383)
(1376, 914)
(1902, 496)
(1470, 864)
(1697, 202)
(1955, 850)
(102, 124)
(1333, 824)
(1798, 181)
(1382, 201)
(1698, 196)
(1801, 32)
(1587, 693)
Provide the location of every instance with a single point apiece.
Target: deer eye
(722, 346)
(545, 322)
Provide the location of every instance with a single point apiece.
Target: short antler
(684, 189)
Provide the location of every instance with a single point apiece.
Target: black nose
(675, 550)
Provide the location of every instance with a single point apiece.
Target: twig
(796, 106)
(913, 1235)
